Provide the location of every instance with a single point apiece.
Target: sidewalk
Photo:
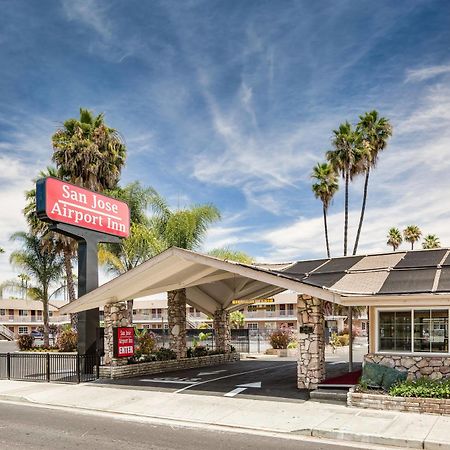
(305, 418)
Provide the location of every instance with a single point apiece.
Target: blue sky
(233, 102)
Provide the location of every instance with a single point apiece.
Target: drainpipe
(350, 340)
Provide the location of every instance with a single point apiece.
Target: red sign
(124, 342)
(59, 201)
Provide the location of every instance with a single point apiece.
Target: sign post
(89, 218)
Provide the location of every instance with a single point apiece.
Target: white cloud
(426, 73)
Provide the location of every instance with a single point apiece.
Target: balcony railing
(33, 319)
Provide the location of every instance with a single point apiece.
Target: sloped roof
(212, 283)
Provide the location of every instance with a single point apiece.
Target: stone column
(115, 315)
(311, 344)
(221, 326)
(176, 311)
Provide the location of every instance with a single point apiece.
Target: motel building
(407, 295)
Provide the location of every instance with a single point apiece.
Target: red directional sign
(123, 342)
(58, 201)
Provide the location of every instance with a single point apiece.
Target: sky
(233, 102)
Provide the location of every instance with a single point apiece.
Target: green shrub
(292, 344)
(279, 339)
(200, 350)
(165, 354)
(25, 341)
(422, 387)
(67, 340)
(146, 341)
(379, 376)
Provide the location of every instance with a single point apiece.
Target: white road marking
(234, 392)
(210, 373)
(165, 380)
(233, 375)
(251, 385)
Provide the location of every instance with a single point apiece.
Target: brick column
(115, 315)
(176, 310)
(221, 325)
(311, 346)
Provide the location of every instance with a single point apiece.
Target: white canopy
(210, 283)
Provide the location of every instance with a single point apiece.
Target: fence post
(78, 369)
(97, 357)
(8, 365)
(48, 367)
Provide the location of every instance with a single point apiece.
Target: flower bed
(150, 368)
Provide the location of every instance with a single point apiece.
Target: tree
(43, 264)
(184, 228)
(88, 153)
(2, 250)
(324, 188)
(374, 132)
(394, 238)
(237, 319)
(344, 159)
(67, 246)
(431, 241)
(228, 254)
(412, 234)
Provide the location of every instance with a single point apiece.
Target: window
(2, 312)
(418, 331)
(23, 312)
(23, 330)
(252, 326)
(270, 308)
(252, 308)
(282, 310)
(363, 326)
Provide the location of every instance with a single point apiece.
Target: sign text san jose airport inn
(58, 201)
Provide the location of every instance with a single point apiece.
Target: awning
(397, 278)
(210, 283)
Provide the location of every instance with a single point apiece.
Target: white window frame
(23, 327)
(411, 309)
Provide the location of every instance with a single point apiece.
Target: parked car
(37, 334)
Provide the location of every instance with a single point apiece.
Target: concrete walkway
(306, 418)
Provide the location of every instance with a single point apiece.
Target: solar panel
(303, 267)
(429, 258)
(324, 279)
(339, 264)
(444, 280)
(408, 281)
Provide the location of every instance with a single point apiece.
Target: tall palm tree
(43, 264)
(375, 132)
(394, 238)
(412, 234)
(66, 245)
(184, 228)
(324, 188)
(88, 153)
(344, 159)
(431, 241)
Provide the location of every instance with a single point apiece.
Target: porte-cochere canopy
(211, 283)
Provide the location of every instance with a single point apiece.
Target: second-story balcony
(10, 319)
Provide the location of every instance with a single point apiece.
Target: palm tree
(394, 238)
(237, 319)
(324, 189)
(344, 159)
(431, 241)
(43, 264)
(66, 245)
(184, 228)
(375, 132)
(2, 250)
(88, 153)
(228, 254)
(412, 234)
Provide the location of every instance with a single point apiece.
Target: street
(24, 426)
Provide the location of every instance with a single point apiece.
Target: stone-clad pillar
(311, 342)
(176, 310)
(221, 326)
(115, 315)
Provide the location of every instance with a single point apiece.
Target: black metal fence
(240, 339)
(57, 367)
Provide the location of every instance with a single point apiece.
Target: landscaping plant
(25, 342)
(280, 339)
(422, 387)
(67, 339)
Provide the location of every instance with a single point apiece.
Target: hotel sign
(58, 201)
(123, 342)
